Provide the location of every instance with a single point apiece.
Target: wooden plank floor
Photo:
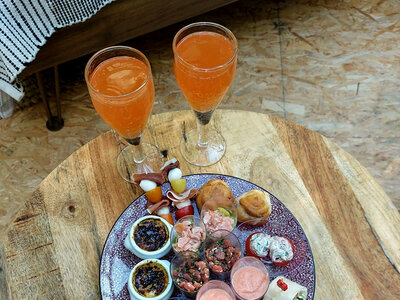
(328, 65)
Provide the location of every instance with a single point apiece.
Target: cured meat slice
(155, 207)
(188, 194)
(155, 177)
(168, 166)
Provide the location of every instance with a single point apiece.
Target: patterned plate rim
(212, 174)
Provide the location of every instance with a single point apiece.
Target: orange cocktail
(114, 81)
(202, 70)
(121, 87)
(205, 56)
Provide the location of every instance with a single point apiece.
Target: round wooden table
(53, 248)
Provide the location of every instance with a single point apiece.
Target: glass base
(205, 154)
(127, 166)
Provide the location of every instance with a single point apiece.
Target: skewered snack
(171, 172)
(150, 183)
(162, 210)
(180, 197)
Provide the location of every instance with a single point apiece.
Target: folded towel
(25, 27)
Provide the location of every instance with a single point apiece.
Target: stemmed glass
(121, 87)
(205, 56)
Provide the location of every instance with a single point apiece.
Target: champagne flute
(121, 87)
(205, 56)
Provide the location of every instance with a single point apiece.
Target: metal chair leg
(58, 101)
(53, 123)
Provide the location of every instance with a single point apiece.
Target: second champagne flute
(205, 56)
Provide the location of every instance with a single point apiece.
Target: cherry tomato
(285, 262)
(248, 248)
(168, 218)
(184, 211)
(154, 195)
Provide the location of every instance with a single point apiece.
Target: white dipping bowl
(164, 295)
(131, 245)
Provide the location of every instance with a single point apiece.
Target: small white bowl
(131, 245)
(164, 295)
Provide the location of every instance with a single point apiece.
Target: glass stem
(202, 133)
(139, 155)
(202, 129)
(203, 120)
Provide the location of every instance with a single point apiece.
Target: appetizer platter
(205, 234)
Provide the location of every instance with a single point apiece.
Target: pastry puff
(253, 205)
(294, 290)
(215, 187)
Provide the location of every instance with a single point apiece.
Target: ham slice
(155, 177)
(168, 166)
(155, 207)
(162, 210)
(186, 195)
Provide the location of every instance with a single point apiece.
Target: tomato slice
(184, 211)
(154, 195)
(248, 248)
(217, 268)
(285, 262)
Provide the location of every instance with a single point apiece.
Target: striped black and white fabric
(25, 25)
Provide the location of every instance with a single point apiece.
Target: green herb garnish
(219, 243)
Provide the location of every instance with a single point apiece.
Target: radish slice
(180, 205)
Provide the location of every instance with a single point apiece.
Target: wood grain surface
(53, 248)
